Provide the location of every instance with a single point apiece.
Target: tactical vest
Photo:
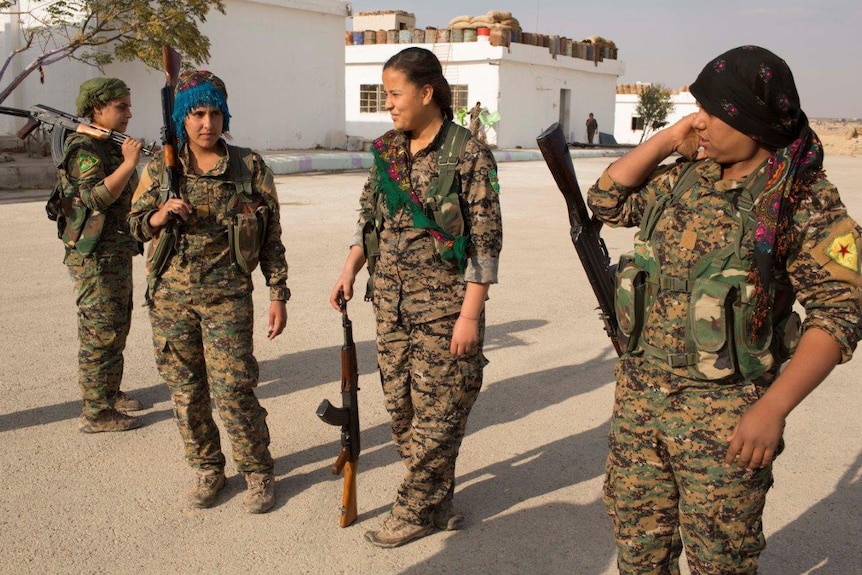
(442, 205)
(719, 338)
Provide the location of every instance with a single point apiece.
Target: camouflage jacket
(202, 261)
(87, 163)
(407, 280)
(827, 285)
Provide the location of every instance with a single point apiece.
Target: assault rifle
(590, 246)
(164, 244)
(347, 416)
(61, 124)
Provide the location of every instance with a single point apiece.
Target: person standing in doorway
(592, 128)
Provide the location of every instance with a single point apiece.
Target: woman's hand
(277, 318)
(686, 137)
(173, 208)
(756, 437)
(342, 288)
(131, 150)
(465, 336)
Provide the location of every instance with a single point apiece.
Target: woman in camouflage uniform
(429, 288)
(104, 176)
(201, 306)
(727, 242)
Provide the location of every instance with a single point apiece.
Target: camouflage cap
(97, 92)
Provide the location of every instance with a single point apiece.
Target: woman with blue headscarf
(729, 238)
(200, 299)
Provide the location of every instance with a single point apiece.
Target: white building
(528, 85)
(628, 127)
(280, 59)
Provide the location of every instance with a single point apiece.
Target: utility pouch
(246, 234)
(445, 210)
(162, 247)
(753, 350)
(630, 301)
(710, 337)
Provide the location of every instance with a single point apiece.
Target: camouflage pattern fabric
(202, 313)
(669, 432)
(666, 475)
(428, 391)
(102, 280)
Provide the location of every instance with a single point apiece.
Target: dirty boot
(205, 490)
(125, 403)
(260, 495)
(395, 532)
(447, 518)
(108, 420)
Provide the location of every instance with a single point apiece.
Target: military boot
(260, 495)
(447, 518)
(108, 420)
(205, 490)
(125, 403)
(396, 532)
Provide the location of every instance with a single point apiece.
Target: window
(637, 123)
(459, 96)
(372, 99)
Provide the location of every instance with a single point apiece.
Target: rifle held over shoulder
(584, 229)
(62, 123)
(347, 417)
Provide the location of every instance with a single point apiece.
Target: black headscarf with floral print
(753, 91)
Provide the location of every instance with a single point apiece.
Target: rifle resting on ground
(584, 229)
(347, 417)
(61, 124)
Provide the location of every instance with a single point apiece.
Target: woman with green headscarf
(102, 174)
(728, 240)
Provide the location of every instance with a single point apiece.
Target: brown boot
(124, 403)
(447, 518)
(260, 495)
(205, 490)
(108, 420)
(396, 532)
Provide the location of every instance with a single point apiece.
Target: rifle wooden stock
(585, 229)
(347, 417)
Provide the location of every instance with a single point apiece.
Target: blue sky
(669, 41)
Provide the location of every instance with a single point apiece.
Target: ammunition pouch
(371, 249)
(78, 227)
(246, 233)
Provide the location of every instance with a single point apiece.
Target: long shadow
(288, 374)
(827, 538)
(554, 538)
(499, 403)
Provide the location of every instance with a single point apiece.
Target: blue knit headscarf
(196, 88)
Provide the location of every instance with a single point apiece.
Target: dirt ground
(839, 137)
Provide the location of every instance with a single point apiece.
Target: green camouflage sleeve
(273, 263)
(366, 207)
(146, 200)
(481, 192)
(619, 206)
(825, 270)
(85, 166)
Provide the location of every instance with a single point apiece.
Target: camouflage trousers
(429, 394)
(204, 350)
(103, 294)
(666, 484)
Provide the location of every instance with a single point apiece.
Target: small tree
(653, 107)
(97, 31)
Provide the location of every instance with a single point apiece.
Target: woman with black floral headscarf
(729, 239)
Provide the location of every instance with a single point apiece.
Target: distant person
(103, 175)
(476, 122)
(727, 243)
(431, 204)
(201, 307)
(592, 127)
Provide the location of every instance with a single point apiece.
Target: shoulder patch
(86, 161)
(842, 250)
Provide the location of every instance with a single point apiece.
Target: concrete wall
(281, 61)
(683, 104)
(522, 82)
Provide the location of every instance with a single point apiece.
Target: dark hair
(422, 68)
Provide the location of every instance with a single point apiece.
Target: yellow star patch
(843, 251)
(86, 162)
